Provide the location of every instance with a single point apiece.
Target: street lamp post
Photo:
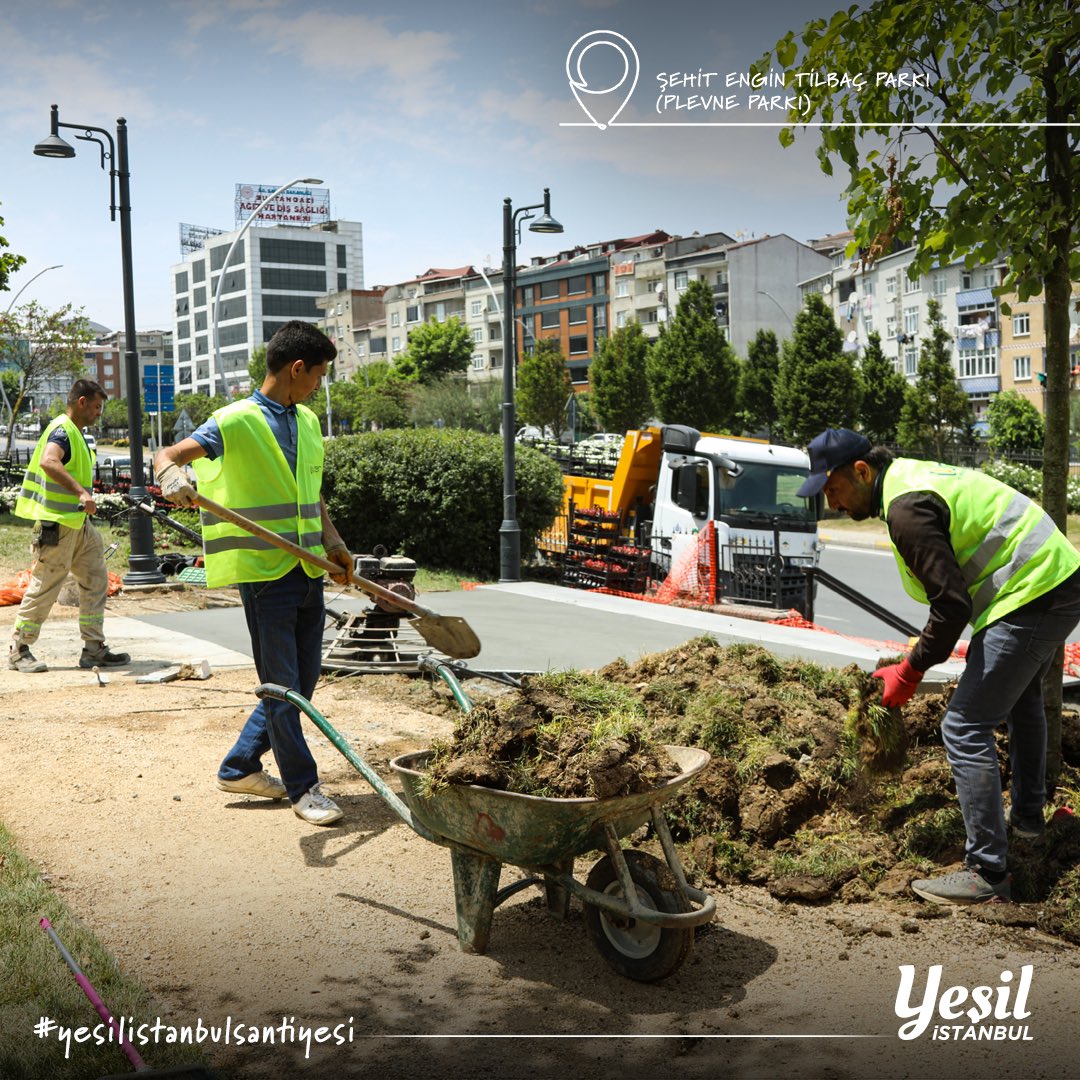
(509, 532)
(143, 564)
(219, 363)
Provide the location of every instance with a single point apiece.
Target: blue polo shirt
(282, 421)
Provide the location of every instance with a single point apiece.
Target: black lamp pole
(143, 564)
(509, 532)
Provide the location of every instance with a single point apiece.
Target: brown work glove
(175, 487)
(339, 553)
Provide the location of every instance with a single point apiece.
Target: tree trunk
(1057, 292)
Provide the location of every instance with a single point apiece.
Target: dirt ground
(228, 907)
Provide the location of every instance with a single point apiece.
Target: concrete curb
(875, 541)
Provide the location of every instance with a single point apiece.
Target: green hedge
(435, 495)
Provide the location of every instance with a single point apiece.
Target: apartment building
(1023, 347)
(483, 318)
(755, 283)
(344, 313)
(276, 273)
(154, 347)
(883, 298)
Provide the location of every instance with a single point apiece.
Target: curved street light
(218, 362)
(11, 304)
(142, 563)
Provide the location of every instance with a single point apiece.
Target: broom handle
(87, 988)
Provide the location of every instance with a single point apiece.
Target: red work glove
(901, 681)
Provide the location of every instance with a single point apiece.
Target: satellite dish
(852, 335)
(827, 288)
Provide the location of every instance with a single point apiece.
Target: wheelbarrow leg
(476, 881)
(558, 896)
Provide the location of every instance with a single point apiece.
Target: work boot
(20, 658)
(256, 783)
(1023, 830)
(103, 658)
(316, 808)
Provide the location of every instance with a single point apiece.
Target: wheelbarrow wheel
(636, 949)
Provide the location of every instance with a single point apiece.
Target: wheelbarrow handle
(283, 693)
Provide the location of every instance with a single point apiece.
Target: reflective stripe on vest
(1008, 549)
(42, 499)
(253, 477)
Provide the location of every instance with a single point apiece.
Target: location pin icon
(612, 103)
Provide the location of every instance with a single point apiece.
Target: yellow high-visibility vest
(42, 499)
(253, 478)
(1009, 549)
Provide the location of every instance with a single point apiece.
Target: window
(495, 332)
(217, 256)
(181, 282)
(1021, 368)
(868, 324)
(621, 317)
(890, 326)
(965, 280)
(107, 368)
(599, 284)
(986, 278)
(721, 279)
(478, 361)
(549, 320)
(868, 287)
(341, 260)
(911, 286)
(476, 307)
(339, 309)
(412, 314)
(579, 344)
(622, 287)
(911, 361)
(395, 318)
(292, 307)
(971, 362)
(549, 290)
(1022, 324)
(198, 271)
(199, 296)
(478, 335)
(296, 252)
(682, 279)
(395, 345)
(360, 350)
(578, 284)
(599, 316)
(911, 320)
(940, 283)
(276, 277)
(108, 384)
(578, 316)
(890, 285)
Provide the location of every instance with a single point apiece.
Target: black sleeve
(919, 528)
(59, 436)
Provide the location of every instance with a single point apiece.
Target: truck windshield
(764, 490)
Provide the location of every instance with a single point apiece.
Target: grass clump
(562, 735)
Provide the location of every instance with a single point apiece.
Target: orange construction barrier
(13, 590)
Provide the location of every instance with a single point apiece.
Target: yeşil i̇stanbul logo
(961, 1014)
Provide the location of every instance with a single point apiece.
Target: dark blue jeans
(285, 619)
(1002, 683)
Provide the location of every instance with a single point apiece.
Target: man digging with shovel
(263, 456)
(977, 552)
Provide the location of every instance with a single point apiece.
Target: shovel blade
(450, 634)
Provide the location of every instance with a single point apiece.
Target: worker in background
(57, 495)
(263, 457)
(977, 552)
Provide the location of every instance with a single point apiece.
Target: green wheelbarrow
(640, 910)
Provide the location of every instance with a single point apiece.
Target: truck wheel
(639, 950)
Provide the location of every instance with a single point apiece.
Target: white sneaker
(316, 808)
(256, 783)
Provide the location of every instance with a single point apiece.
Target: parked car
(91, 442)
(603, 438)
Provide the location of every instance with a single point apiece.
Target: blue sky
(421, 117)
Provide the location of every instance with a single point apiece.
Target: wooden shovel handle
(272, 538)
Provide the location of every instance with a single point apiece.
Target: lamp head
(545, 223)
(55, 147)
(310, 180)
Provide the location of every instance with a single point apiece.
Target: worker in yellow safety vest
(57, 495)
(263, 457)
(980, 553)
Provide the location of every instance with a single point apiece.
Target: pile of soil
(814, 790)
(565, 735)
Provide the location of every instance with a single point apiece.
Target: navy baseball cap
(833, 448)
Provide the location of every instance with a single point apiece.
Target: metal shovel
(450, 634)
